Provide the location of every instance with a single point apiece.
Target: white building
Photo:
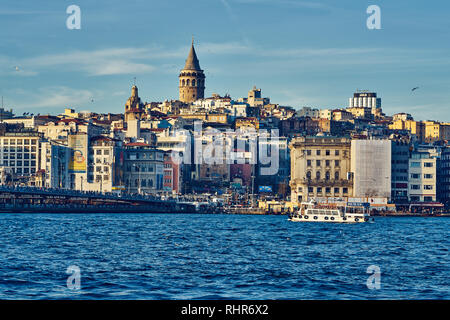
(20, 152)
(422, 175)
(371, 167)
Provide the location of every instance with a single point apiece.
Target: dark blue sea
(156, 256)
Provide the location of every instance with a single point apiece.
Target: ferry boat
(311, 212)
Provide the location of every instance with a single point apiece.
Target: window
(308, 152)
(415, 187)
(328, 190)
(336, 190)
(309, 163)
(327, 175)
(336, 175)
(428, 176)
(428, 187)
(427, 198)
(415, 164)
(327, 152)
(308, 175)
(319, 190)
(318, 152)
(345, 190)
(428, 164)
(318, 163)
(327, 163)
(336, 163)
(318, 175)
(310, 189)
(336, 152)
(415, 176)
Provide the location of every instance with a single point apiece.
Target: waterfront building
(143, 168)
(422, 175)
(105, 165)
(443, 176)
(54, 165)
(280, 160)
(20, 152)
(400, 169)
(172, 174)
(371, 168)
(191, 79)
(320, 167)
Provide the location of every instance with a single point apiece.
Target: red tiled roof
(137, 144)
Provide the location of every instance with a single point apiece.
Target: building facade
(320, 168)
(143, 168)
(371, 168)
(422, 175)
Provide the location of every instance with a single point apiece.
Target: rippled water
(139, 256)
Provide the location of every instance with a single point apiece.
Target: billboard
(78, 157)
(265, 188)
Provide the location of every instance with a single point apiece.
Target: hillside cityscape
(243, 152)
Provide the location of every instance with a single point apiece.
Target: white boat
(311, 212)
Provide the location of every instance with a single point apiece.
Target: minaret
(192, 79)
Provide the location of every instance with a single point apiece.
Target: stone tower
(134, 108)
(192, 79)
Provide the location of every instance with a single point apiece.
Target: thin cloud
(55, 97)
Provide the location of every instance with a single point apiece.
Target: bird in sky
(414, 89)
(17, 68)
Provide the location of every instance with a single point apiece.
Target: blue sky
(301, 53)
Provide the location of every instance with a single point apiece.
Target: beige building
(436, 131)
(192, 79)
(415, 127)
(319, 168)
(422, 176)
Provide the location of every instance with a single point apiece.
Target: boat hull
(329, 219)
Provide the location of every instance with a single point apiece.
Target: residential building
(422, 175)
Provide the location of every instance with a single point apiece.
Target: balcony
(327, 183)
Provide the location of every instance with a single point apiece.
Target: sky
(300, 53)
